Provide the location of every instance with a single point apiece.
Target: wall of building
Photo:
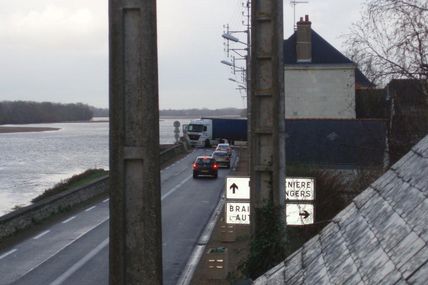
(320, 91)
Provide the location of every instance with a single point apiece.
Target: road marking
(8, 253)
(69, 219)
(80, 263)
(90, 208)
(63, 247)
(198, 251)
(106, 200)
(42, 234)
(176, 187)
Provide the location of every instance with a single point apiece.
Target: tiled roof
(380, 238)
(322, 53)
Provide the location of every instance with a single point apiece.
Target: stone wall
(37, 212)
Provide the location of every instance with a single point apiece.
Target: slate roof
(322, 53)
(380, 238)
(335, 143)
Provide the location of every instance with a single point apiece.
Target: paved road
(75, 250)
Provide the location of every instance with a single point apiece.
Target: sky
(57, 50)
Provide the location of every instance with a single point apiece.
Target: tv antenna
(294, 3)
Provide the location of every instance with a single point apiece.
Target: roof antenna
(294, 3)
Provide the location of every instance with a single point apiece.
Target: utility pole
(135, 203)
(267, 167)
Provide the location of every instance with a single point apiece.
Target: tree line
(28, 112)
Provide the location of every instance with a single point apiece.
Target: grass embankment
(75, 181)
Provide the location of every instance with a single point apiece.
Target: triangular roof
(322, 53)
(380, 238)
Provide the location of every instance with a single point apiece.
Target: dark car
(222, 158)
(205, 165)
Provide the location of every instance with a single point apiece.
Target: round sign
(176, 124)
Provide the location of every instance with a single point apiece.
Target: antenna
(294, 3)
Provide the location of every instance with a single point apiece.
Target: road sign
(299, 189)
(300, 214)
(238, 213)
(238, 188)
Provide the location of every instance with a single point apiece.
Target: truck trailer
(211, 131)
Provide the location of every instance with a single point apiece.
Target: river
(33, 162)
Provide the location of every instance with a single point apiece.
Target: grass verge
(75, 181)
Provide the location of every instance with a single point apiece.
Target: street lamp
(227, 63)
(229, 37)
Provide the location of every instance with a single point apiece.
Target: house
(320, 82)
(322, 128)
(380, 238)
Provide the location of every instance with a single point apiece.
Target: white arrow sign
(237, 188)
(238, 213)
(299, 214)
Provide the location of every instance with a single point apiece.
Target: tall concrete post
(135, 203)
(267, 167)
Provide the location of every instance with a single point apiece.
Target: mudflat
(25, 129)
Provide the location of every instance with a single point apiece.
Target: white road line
(66, 245)
(8, 253)
(176, 187)
(69, 219)
(80, 263)
(198, 251)
(106, 200)
(90, 208)
(42, 234)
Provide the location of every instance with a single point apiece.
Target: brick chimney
(303, 41)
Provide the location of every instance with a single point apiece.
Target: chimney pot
(306, 18)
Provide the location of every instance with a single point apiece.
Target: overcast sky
(56, 50)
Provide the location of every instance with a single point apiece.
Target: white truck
(205, 132)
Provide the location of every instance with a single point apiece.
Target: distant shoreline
(4, 130)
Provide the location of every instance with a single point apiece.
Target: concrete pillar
(135, 203)
(267, 107)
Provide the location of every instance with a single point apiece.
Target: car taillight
(215, 165)
(195, 166)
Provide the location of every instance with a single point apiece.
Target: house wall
(320, 91)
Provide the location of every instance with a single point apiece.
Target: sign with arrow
(238, 188)
(299, 214)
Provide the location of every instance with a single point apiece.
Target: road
(75, 250)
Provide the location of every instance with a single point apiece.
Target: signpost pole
(267, 159)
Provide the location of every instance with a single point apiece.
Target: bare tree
(391, 40)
